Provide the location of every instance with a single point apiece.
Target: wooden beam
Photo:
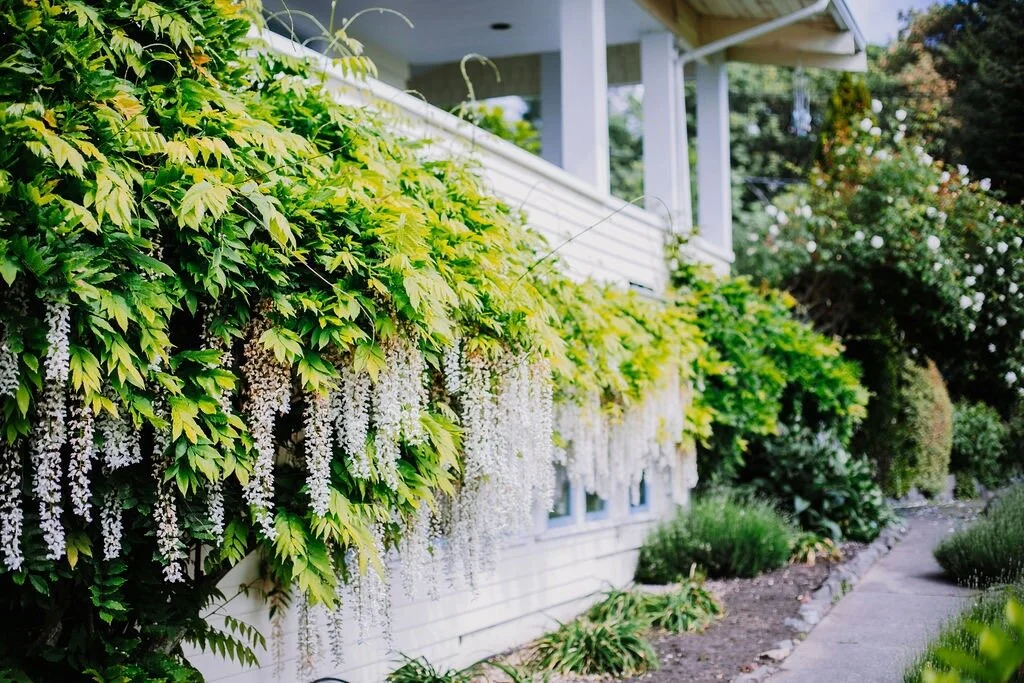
(804, 37)
(757, 55)
(678, 17)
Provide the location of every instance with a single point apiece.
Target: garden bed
(756, 610)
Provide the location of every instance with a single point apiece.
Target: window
(597, 507)
(561, 512)
(639, 499)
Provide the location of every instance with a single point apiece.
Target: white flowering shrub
(886, 242)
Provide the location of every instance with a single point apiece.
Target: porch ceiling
(448, 30)
(830, 38)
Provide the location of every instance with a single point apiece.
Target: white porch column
(666, 158)
(585, 91)
(714, 181)
(551, 107)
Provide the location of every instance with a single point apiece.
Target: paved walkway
(877, 629)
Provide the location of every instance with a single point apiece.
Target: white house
(567, 53)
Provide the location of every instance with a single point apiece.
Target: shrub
(688, 608)
(721, 534)
(583, 647)
(929, 427)
(961, 636)
(979, 445)
(826, 489)
(808, 547)
(768, 367)
(419, 670)
(992, 550)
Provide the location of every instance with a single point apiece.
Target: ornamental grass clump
(960, 637)
(584, 647)
(990, 551)
(690, 607)
(723, 534)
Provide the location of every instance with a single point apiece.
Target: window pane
(563, 494)
(638, 499)
(595, 503)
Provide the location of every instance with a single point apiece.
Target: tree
(977, 46)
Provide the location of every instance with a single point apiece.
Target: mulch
(756, 610)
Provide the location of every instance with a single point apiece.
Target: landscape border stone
(841, 579)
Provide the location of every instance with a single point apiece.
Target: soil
(756, 610)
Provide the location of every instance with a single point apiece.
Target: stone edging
(841, 578)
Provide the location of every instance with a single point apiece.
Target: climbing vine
(239, 317)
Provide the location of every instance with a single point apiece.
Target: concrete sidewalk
(886, 620)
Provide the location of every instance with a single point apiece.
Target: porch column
(551, 107)
(585, 92)
(714, 181)
(666, 163)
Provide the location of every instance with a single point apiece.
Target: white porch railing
(608, 239)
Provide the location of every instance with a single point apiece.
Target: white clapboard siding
(551, 574)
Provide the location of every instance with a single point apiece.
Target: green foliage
(419, 670)
(991, 550)
(886, 245)
(766, 368)
(722, 534)
(985, 643)
(808, 547)
(583, 647)
(848, 100)
(929, 425)
(979, 445)
(494, 120)
(688, 608)
(821, 485)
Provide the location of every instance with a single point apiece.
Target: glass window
(597, 507)
(638, 499)
(561, 512)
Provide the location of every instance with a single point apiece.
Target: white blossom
(859, 235)
(318, 440)
(772, 210)
(215, 510)
(165, 513)
(120, 442)
(966, 301)
(985, 184)
(866, 124)
(111, 526)
(399, 400)
(962, 170)
(1001, 247)
(269, 395)
(970, 281)
(898, 137)
(1012, 287)
(944, 178)
(933, 242)
(979, 269)
(1017, 241)
(1001, 321)
(1011, 378)
(876, 131)
(351, 409)
(876, 106)
(991, 348)
(812, 246)
(11, 513)
(877, 242)
(50, 433)
(901, 115)
(8, 369)
(83, 452)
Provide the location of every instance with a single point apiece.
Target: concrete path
(886, 620)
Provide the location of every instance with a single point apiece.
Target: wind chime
(801, 119)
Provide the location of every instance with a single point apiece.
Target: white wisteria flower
(933, 242)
